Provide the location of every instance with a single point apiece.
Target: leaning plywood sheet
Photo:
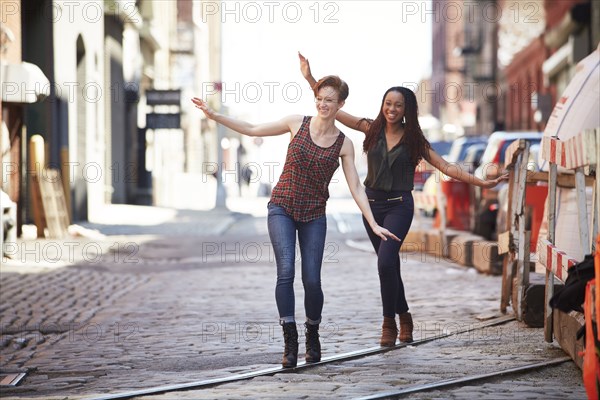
(54, 204)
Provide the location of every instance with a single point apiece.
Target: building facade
(502, 64)
(95, 62)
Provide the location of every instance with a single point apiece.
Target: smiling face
(393, 107)
(328, 102)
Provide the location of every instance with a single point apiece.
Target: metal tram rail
(341, 358)
(466, 379)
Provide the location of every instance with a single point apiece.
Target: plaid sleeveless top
(302, 189)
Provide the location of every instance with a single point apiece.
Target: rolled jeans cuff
(286, 320)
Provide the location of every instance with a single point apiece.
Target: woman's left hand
(493, 182)
(384, 233)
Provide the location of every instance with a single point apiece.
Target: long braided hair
(413, 135)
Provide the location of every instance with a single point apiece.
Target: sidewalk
(115, 226)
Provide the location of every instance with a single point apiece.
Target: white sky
(365, 42)
(372, 45)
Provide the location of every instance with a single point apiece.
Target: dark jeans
(311, 238)
(395, 215)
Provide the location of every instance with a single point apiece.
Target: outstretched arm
(284, 125)
(352, 122)
(456, 172)
(358, 190)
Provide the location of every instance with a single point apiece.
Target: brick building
(540, 45)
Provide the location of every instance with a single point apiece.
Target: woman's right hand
(201, 104)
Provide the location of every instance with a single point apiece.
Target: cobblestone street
(181, 307)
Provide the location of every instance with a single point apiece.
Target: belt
(392, 199)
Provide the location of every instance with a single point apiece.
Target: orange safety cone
(597, 280)
(591, 362)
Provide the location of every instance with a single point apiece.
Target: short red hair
(334, 82)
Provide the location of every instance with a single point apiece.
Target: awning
(23, 83)
(577, 108)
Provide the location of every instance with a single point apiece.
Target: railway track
(341, 358)
(447, 383)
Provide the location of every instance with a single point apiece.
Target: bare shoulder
(294, 122)
(347, 147)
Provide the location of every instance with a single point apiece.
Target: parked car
(492, 160)
(474, 154)
(424, 170)
(465, 152)
(460, 149)
(441, 147)
(484, 202)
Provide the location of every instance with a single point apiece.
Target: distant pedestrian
(298, 203)
(394, 144)
(244, 172)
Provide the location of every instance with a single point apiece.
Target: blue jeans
(311, 237)
(396, 216)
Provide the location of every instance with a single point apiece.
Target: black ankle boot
(313, 346)
(290, 352)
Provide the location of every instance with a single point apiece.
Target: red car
(484, 202)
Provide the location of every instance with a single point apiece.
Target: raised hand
(201, 104)
(304, 67)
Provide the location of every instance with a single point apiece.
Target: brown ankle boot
(389, 331)
(406, 328)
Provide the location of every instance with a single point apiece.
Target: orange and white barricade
(577, 153)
